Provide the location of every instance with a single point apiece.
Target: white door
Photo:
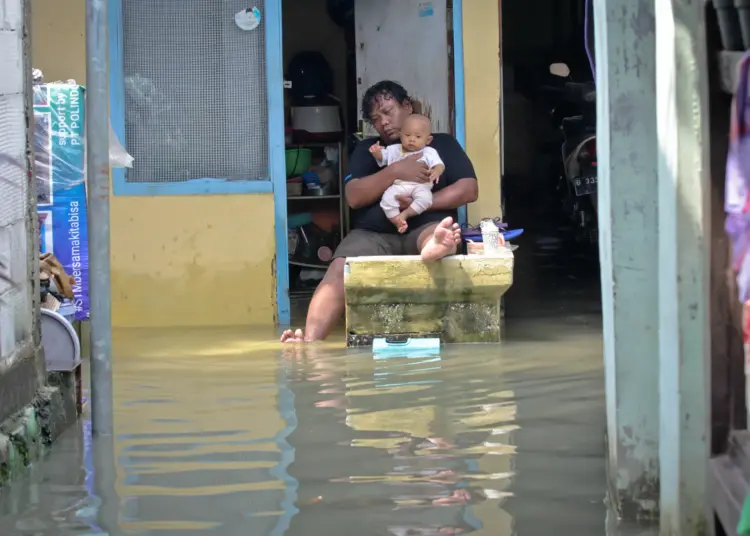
(405, 41)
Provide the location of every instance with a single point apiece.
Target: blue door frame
(276, 153)
(459, 93)
(276, 181)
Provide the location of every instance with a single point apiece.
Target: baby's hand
(376, 148)
(435, 173)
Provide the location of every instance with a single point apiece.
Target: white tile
(11, 15)
(11, 62)
(13, 173)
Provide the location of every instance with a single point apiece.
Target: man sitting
(433, 234)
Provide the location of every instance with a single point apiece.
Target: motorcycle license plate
(585, 186)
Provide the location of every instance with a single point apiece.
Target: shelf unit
(300, 203)
(311, 197)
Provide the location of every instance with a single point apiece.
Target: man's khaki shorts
(361, 243)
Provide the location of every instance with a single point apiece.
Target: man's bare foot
(440, 443)
(293, 336)
(444, 241)
(459, 496)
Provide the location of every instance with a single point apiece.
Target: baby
(416, 134)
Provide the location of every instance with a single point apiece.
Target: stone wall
(22, 370)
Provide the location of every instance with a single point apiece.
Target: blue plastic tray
(383, 348)
(476, 236)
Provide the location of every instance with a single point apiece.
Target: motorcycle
(578, 183)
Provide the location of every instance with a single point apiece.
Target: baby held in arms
(416, 134)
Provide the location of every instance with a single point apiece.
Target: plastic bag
(60, 139)
(118, 156)
(59, 142)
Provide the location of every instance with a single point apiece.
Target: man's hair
(385, 89)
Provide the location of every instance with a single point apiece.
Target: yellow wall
(58, 39)
(176, 261)
(481, 29)
(193, 260)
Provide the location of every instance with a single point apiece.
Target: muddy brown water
(225, 432)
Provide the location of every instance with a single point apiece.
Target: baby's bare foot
(400, 223)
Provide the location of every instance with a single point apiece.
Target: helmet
(341, 12)
(310, 75)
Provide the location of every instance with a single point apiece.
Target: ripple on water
(233, 438)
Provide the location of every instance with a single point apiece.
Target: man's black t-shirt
(363, 164)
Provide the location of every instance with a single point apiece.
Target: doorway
(561, 227)
(319, 121)
(347, 45)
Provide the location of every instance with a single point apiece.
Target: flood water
(225, 432)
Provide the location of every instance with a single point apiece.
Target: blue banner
(60, 169)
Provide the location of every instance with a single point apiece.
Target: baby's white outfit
(420, 193)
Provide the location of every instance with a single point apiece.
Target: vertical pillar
(97, 170)
(684, 252)
(481, 51)
(628, 221)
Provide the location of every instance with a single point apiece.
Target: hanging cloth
(743, 529)
(737, 202)
(737, 207)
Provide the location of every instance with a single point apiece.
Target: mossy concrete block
(70, 384)
(21, 380)
(56, 410)
(25, 436)
(457, 297)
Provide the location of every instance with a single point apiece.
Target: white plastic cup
(490, 237)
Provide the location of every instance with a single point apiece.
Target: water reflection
(217, 432)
